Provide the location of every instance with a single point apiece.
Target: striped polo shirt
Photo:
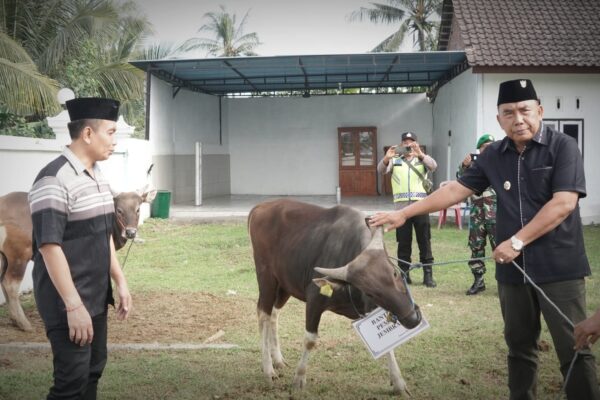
(71, 208)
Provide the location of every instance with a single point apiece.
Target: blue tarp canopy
(255, 75)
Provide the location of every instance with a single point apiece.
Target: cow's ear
(327, 286)
(148, 196)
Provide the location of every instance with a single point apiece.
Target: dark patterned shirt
(524, 183)
(71, 208)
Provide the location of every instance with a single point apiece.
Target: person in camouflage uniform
(482, 221)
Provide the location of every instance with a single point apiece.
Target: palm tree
(414, 16)
(44, 45)
(229, 41)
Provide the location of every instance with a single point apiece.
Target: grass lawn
(462, 355)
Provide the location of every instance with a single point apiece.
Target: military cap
(484, 139)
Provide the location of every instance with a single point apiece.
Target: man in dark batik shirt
(538, 177)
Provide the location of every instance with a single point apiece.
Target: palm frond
(120, 81)
(229, 40)
(159, 51)
(380, 13)
(96, 19)
(392, 42)
(419, 17)
(13, 51)
(29, 92)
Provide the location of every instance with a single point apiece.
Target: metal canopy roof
(221, 76)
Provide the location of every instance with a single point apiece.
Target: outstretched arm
(444, 197)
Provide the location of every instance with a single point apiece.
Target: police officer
(409, 167)
(482, 220)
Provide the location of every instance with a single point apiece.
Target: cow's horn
(340, 273)
(377, 240)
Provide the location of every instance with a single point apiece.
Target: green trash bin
(161, 204)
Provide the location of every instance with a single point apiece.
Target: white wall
(289, 146)
(176, 124)
(456, 110)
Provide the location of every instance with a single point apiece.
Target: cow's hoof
(23, 325)
(299, 382)
(271, 376)
(402, 390)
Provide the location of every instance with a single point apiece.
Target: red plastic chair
(457, 208)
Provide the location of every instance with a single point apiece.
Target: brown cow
(295, 244)
(16, 236)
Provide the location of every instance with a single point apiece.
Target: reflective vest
(406, 184)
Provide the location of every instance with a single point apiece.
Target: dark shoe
(478, 285)
(428, 277)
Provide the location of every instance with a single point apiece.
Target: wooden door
(358, 160)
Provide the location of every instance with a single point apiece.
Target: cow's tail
(3, 260)
(250, 215)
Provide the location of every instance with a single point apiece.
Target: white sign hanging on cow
(381, 336)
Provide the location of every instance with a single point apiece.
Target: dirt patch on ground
(158, 317)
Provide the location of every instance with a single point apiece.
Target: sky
(285, 27)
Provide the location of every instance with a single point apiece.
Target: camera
(403, 150)
(474, 156)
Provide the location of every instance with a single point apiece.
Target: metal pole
(198, 179)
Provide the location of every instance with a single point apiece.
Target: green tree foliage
(419, 18)
(229, 40)
(82, 44)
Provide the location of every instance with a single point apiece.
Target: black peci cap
(93, 108)
(515, 91)
(409, 135)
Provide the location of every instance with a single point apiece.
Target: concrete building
(291, 145)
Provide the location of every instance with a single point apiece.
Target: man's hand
(587, 332)
(392, 220)
(81, 330)
(125, 302)
(504, 253)
(416, 150)
(389, 154)
(467, 161)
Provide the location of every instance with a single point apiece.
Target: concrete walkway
(29, 346)
(225, 207)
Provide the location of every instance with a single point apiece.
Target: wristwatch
(516, 244)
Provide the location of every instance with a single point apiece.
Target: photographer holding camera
(409, 167)
(482, 219)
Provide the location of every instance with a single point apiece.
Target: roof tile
(552, 32)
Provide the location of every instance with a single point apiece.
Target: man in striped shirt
(72, 211)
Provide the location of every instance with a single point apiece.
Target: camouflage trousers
(482, 225)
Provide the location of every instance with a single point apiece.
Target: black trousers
(77, 369)
(423, 234)
(521, 307)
